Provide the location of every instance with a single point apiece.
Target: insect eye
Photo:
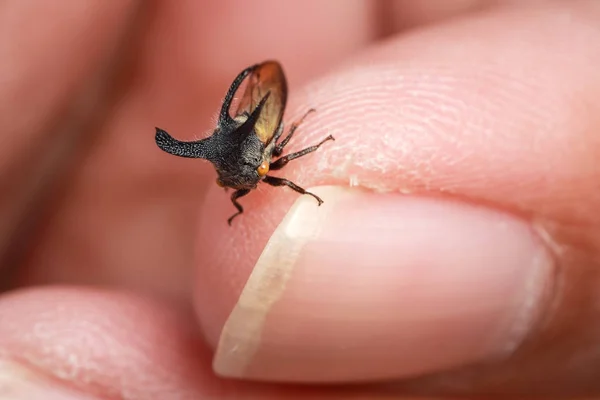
(263, 169)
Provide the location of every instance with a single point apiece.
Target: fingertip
(423, 128)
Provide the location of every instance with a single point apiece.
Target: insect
(243, 146)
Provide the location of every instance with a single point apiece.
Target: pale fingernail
(374, 286)
(20, 383)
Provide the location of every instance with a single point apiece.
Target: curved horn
(196, 149)
(224, 116)
(247, 126)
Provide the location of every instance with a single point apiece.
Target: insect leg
(234, 196)
(279, 148)
(281, 162)
(273, 181)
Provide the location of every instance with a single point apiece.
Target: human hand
(464, 261)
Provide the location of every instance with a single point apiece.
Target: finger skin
(482, 110)
(112, 345)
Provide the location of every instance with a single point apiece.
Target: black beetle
(242, 147)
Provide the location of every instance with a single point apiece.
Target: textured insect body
(242, 146)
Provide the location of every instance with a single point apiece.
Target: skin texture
(483, 103)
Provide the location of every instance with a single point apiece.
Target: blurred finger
(74, 343)
(49, 93)
(405, 14)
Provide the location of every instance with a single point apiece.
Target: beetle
(243, 146)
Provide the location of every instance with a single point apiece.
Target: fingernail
(20, 383)
(376, 286)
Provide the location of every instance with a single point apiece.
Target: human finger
(492, 253)
(80, 343)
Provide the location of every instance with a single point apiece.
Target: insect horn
(195, 149)
(248, 125)
(224, 116)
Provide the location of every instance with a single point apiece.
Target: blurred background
(86, 197)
